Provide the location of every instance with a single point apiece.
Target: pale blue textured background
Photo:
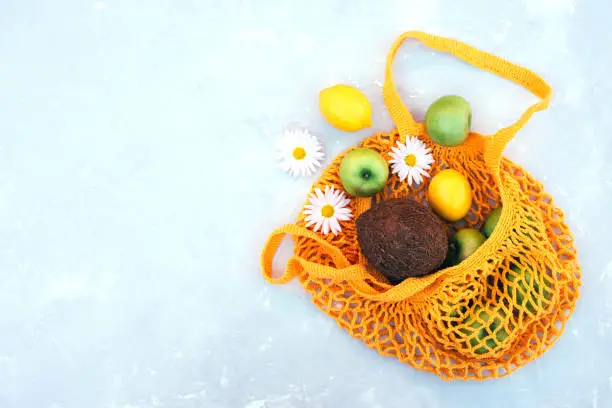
(137, 186)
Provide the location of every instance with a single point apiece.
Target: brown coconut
(402, 238)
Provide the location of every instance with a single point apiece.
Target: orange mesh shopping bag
(499, 309)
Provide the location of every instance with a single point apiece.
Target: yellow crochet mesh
(499, 309)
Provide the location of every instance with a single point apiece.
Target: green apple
(491, 221)
(448, 120)
(363, 172)
(519, 289)
(525, 291)
(463, 243)
(484, 325)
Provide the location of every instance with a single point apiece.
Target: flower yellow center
(410, 160)
(299, 153)
(327, 211)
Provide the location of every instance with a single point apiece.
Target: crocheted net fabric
(495, 312)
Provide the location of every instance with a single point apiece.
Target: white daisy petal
(343, 211)
(325, 229)
(418, 179)
(319, 194)
(422, 172)
(343, 217)
(335, 226)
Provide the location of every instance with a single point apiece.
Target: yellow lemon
(450, 195)
(345, 108)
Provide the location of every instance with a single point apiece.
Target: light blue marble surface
(138, 184)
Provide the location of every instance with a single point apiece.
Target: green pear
(463, 243)
(448, 120)
(525, 291)
(491, 222)
(484, 324)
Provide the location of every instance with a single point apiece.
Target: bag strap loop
(356, 275)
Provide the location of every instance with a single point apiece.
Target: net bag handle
(496, 143)
(355, 275)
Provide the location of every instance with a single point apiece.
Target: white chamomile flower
(326, 210)
(299, 152)
(411, 160)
